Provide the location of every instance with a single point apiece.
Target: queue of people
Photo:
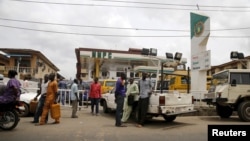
(142, 90)
(49, 94)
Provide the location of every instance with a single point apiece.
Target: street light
(236, 55)
(172, 61)
(177, 56)
(153, 51)
(169, 55)
(145, 51)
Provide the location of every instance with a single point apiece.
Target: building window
(83, 75)
(118, 74)
(137, 74)
(104, 74)
(131, 74)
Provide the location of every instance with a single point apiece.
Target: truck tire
(24, 112)
(244, 111)
(224, 111)
(169, 118)
(105, 107)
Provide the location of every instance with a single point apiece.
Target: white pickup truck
(165, 104)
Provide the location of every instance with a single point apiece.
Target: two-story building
(234, 64)
(30, 64)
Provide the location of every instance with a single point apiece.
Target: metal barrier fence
(83, 95)
(65, 100)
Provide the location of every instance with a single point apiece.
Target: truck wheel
(169, 118)
(24, 112)
(105, 107)
(244, 111)
(224, 111)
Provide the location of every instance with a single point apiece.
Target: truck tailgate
(171, 99)
(178, 99)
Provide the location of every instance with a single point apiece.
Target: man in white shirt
(74, 98)
(41, 101)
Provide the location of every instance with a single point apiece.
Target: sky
(57, 27)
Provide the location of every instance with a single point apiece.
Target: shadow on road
(221, 120)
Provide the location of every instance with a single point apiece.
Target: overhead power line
(183, 5)
(123, 28)
(75, 25)
(106, 35)
(158, 8)
(23, 28)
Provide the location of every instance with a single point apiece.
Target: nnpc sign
(200, 31)
(200, 56)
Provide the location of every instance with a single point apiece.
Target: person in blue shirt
(62, 86)
(120, 93)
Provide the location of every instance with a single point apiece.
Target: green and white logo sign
(197, 24)
(101, 54)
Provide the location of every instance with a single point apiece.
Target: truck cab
(230, 91)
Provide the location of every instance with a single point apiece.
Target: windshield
(220, 78)
(110, 83)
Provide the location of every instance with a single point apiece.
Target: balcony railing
(22, 70)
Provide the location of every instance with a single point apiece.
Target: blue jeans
(39, 109)
(119, 109)
(62, 97)
(95, 102)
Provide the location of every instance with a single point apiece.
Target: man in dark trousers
(120, 93)
(43, 91)
(145, 88)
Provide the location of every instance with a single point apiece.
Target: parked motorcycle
(9, 115)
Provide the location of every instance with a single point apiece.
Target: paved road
(101, 128)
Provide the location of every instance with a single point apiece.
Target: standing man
(145, 87)
(95, 95)
(132, 89)
(74, 98)
(43, 92)
(62, 86)
(119, 99)
(80, 87)
(51, 97)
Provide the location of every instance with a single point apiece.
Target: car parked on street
(108, 101)
(26, 97)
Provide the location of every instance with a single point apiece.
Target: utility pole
(18, 66)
